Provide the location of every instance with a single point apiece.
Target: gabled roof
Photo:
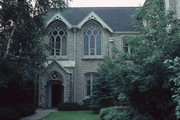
(117, 18)
(61, 64)
(94, 16)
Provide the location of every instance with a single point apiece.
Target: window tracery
(92, 40)
(55, 76)
(58, 40)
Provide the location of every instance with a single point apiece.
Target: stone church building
(80, 38)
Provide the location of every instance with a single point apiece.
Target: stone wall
(74, 82)
(173, 5)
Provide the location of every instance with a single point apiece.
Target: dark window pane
(58, 39)
(86, 45)
(61, 32)
(55, 33)
(95, 32)
(88, 82)
(57, 52)
(52, 45)
(125, 49)
(94, 76)
(89, 32)
(88, 90)
(92, 51)
(98, 45)
(58, 45)
(92, 45)
(92, 42)
(64, 46)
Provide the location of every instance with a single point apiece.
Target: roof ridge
(106, 7)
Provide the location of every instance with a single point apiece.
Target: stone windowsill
(93, 57)
(57, 57)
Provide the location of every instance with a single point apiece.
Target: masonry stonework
(113, 24)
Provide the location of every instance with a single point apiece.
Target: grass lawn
(72, 115)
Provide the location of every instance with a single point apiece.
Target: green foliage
(22, 54)
(141, 78)
(87, 104)
(9, 114)
(105, 88)
(117, 77)
(25, 109)
(121, 113)
(174, 65)
(160, 33)
(16, 111)
(151, 93)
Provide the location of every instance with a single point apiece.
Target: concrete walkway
(40, 113)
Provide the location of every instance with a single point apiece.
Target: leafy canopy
(141, 78)
(22, 54)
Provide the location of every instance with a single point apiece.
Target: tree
(22, 54)
(174, 65)
(142, 76)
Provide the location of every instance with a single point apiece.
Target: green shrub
(121, 113)
(8, 113)
(87, 103)
(112, 112)
(25, 109)
(142, 117)
(16, 111)
(70, 106)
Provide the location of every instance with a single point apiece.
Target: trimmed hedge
(121, 113)
(17, 111)
(70, 106)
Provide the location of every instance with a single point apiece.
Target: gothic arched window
(89, 78)
(58, 40)
(92, 40)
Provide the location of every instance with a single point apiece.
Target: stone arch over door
(47, 79)
(54, 89)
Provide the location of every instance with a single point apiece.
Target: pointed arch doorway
(54, 90)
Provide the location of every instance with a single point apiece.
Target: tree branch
(9, 38)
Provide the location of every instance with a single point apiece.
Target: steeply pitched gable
(118, 18)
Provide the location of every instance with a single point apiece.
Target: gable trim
(94, 16)
(50, 63)
(58, 16)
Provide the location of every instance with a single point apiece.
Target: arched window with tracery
(92, 39)
(55, 76)
(58, 39)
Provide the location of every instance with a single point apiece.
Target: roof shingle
(118, 18)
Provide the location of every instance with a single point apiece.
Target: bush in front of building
(25, 109)
(70, 106)
(121, 113)
(8, 113)
(16, 111)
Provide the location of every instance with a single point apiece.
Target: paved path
(40, 113)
